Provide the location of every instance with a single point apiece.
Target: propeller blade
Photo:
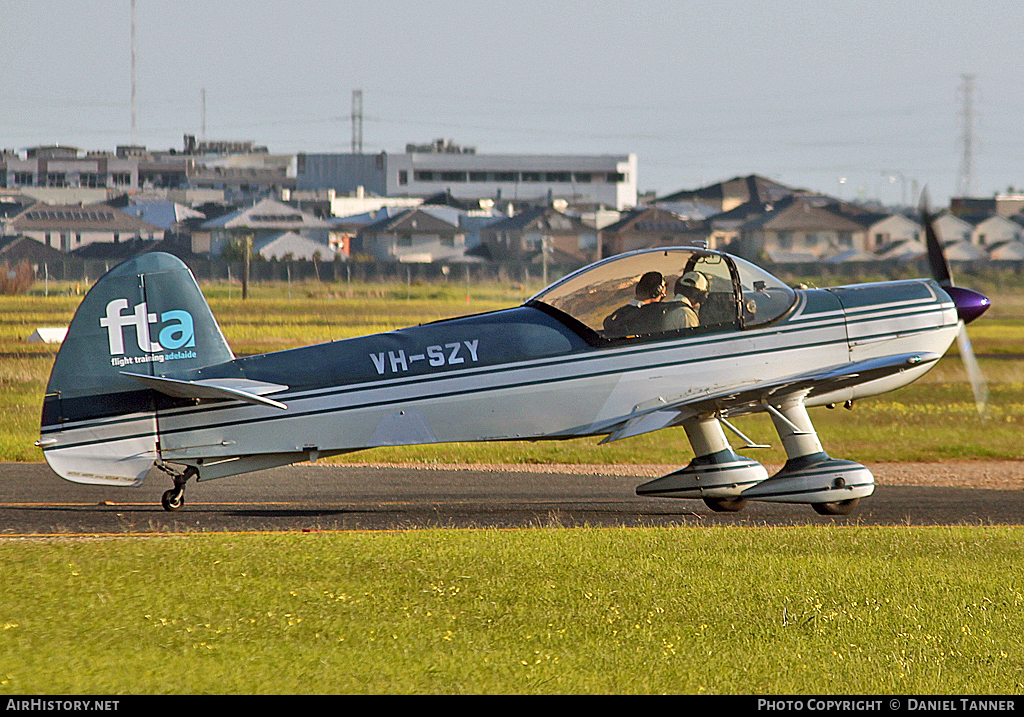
(969, 305)
(974, 375)
(936, 256)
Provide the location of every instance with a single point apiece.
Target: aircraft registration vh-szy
(145, 381)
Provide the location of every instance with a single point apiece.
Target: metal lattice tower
(966, 179)
(357, 121)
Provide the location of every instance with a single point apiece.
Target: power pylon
(357, 121)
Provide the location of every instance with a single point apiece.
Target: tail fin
(145, 316)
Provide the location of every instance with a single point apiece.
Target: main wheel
(173, 499)
(842, 507)
(725, 505)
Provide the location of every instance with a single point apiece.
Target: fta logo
(174, 329)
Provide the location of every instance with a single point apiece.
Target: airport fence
(86, 271)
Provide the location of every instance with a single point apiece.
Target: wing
(754, 395)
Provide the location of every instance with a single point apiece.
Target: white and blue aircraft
(146, 381)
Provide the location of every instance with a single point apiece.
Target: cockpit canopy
(724, 292)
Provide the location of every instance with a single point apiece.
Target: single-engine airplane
(145, 379)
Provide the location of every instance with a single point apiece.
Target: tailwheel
(842, 507)
(725, 505)
(174, 498)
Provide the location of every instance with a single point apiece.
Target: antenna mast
(967, 137)
(133, 72)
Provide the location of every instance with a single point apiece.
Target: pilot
(681, 311)
(641, 315)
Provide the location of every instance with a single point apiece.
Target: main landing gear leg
(174, 498)
(706, 437)
(716, 474)
(831, 486)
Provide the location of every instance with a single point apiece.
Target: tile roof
(78, 217)
(652, 220)
(752, 187)
(417, 219)
(268, 214)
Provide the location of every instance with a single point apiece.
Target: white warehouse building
(596, 180)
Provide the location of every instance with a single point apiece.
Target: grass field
(810, 610)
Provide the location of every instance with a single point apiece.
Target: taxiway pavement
(34, 501)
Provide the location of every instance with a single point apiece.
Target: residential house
(950, 228)
(1007, 251)
(799, 229)
(168, 215)
(16, 249)
(647, 227)
(14, 203)
(993, 229)
(964, 251)
(178, 245)
(413, 235)
(727, 195)
(882, 229)
(68, 227)
(345, 235)
(290, 245)
(263, 221)
(901, 250)
(524, 235)
(726, 228)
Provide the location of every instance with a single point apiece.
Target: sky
(860, 99)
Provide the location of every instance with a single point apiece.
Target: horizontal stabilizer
(239, 389)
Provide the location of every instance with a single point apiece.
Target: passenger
(681, 311)
(639, 316)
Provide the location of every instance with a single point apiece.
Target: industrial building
(584, 181)
(57, 173)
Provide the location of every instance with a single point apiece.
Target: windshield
(765, 298)
(655, 292)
